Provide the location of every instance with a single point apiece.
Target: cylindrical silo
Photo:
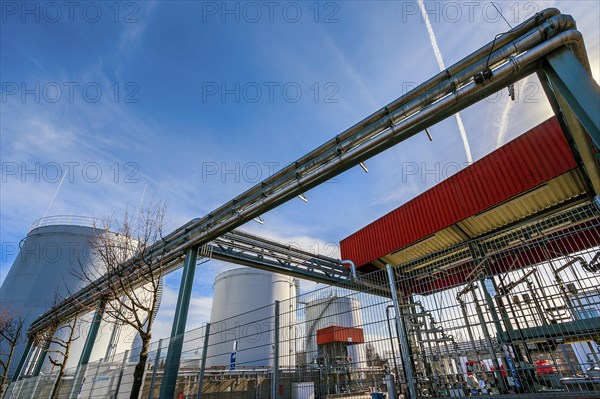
(41, 272)
(327, 312)
(242, 319)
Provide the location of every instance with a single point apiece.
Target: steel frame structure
(547, 44)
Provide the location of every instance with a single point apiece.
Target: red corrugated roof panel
(531, 159)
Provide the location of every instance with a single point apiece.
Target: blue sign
(232, 361)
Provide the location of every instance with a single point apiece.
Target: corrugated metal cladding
(531, 159)
(569, 240)
(562, 188)
(350, 335)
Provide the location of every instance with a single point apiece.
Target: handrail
(65, 220)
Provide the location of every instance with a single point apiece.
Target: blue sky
(197, 101)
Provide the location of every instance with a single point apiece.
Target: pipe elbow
(548, 13)
(352, 268)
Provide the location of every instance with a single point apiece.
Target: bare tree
(60, 349)
(11, 332)
(59, 336)
(131, 290)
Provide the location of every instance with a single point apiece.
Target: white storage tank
(53, 247)
(332, 311)
(242, 319)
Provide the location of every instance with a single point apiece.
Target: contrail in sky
(55, 193)
(440, 61)
(503, 125)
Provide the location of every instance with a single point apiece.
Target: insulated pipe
(481, 55)
(411, 125)
(507, 288)
(352, 268)
(504, 70)
(391, 136)
(556, 23)
(463, 308)
(426, 86)
(394, 134)
(357, 280)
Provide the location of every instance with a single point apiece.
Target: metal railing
(66, 220)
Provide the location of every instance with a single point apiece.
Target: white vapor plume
(503, 124)
(440, 61)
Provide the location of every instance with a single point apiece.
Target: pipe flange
(514, 63)
(389, 116)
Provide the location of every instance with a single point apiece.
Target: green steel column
(575, 98)
(92, 334)
(578, 88)
(167, 388)
(40, 360)
(22, 361)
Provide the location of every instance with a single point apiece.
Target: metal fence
(515, 313)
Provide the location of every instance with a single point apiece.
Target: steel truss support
(167, 388)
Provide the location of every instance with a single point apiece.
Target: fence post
(125, 356)
(35, 387)
(22, 382)
(275, 381)
(77, 381)
(52, 386)
(98, 365)
(404, 345)
(203, 361)
(155, 370)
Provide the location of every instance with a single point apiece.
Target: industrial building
(501, 256)
(484, 285)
